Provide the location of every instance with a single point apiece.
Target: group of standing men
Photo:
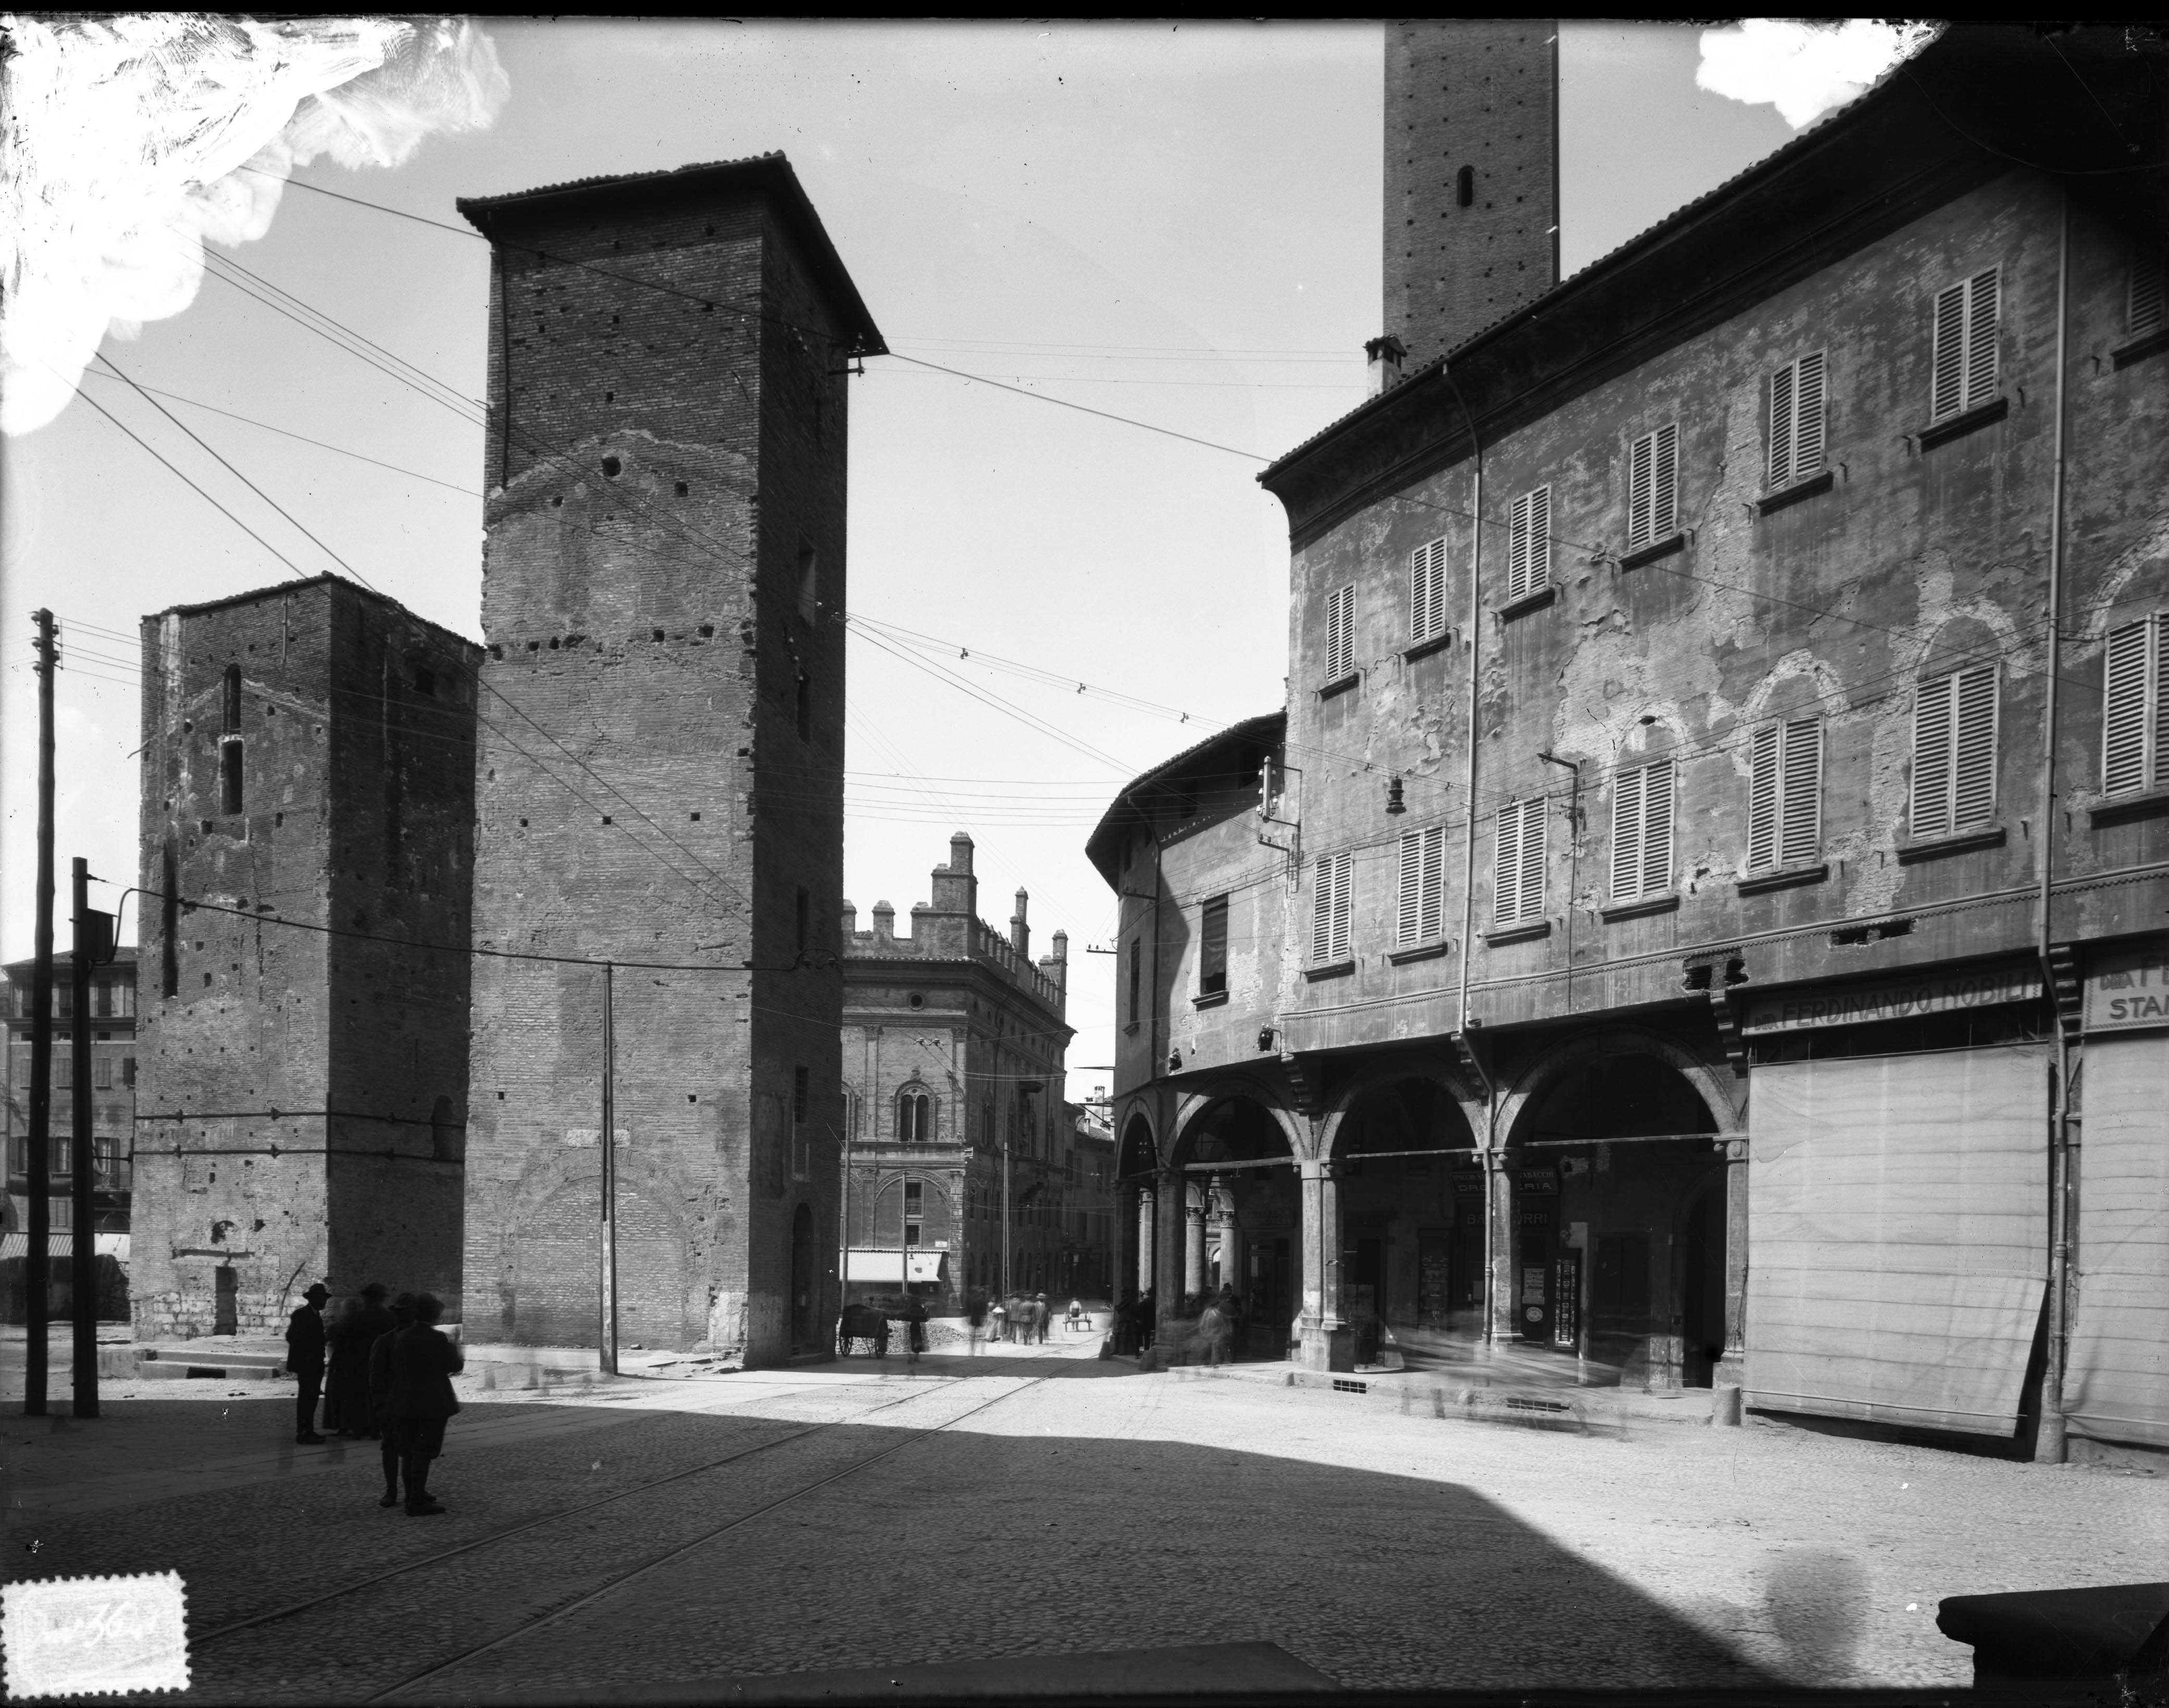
(390, 1381)
(1022, 1317)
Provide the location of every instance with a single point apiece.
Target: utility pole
(36, 1267)
(92, 945)
(609, 1351)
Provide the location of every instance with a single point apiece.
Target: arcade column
(1500, 1313)
(1193, 1240)
(1223, 1232)
(1168, 1246)
(1141, 1275)
(1732, 1368)
(1327, 1343)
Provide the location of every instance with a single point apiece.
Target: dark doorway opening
(225, 1313)
(805, 1283)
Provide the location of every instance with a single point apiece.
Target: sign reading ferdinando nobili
(1891, 998)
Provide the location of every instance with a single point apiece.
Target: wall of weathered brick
(1480, 94)
(287, 1078)
(671, 447)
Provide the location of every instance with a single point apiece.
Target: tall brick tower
(659, 771)
(1472, 175)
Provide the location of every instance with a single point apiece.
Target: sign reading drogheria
(2128, 987)
(1891, 999)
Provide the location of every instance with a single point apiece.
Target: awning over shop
(62, 1245)
(1898, 1236)
(2118, 1388)
(873, 1266)
(927, 1266)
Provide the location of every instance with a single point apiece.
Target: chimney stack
(1382, 358)
(884, 922)
(1020, 932)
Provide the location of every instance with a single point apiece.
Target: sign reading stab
(1891, 999)
(2127, 988)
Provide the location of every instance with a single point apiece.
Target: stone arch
(1382, 1075)
(1722, 1091)
(1193, 1105)
(1137, 1154)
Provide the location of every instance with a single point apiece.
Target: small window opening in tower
(1464, 186)
(809, 580)
(425, 680)
(229, 744)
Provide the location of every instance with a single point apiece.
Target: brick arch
(1191, 1105)
(1136, 1121)
(1723, 1094)
(1471, 1104)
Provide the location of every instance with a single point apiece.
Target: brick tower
(1472, 175)
(659, 770)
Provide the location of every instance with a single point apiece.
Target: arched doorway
(1136, 1170)
(805, 1283)
(1242, 1218)
(1411, 1197)
(1618, 1220)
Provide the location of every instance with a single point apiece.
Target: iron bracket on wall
(2066, 988)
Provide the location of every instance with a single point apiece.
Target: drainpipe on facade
(1491, 1254)
(2048, 1448)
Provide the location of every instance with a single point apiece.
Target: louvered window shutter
(1762, 793)
(1638, 492)
(1431, 914)
(2158, 708)
(1807, 424)
(1657, 828)
(1981, 338)
(1343, 863)
(1506, 866)
(1781, 425)
(1931, 757)
(2146, 312)
(1665, 484)
(1427, 590)
(2125, 705)
(1536, 559)
(1948, 388)
(1321, 910)
(1409, 923)
(1973, 766)
(1341, 633)
(1627, 834)
(1532, 887)
(1803, 792)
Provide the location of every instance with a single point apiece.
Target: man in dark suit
(305, 1357)
(401, 1315)
(424, 1362)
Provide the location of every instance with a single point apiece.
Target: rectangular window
(1653, 488)
(101, 1070)
(1954, 752)
(1784, 795)
(63, 1078)
(1213, 947)
(229, 761)
(1529, 543)
(1137, 971)
(2135, 699)
(1517, 864)
(1423, 887)
(1796, 421)
(1427, 591)
(1964, 366)
(1329, 912)
(801, 1158)
(911, 1233)
(1642, 832)
(1341, 633)
(800, 1093)
(128, 1072)
(809, 580)
(2144, 312)
(914, 1197)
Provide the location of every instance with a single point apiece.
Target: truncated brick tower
(1472, 175)
(659, 767)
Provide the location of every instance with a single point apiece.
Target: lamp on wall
(1174, 1062)
(1394, 805)
(1264, 1037)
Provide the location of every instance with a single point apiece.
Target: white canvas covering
(2118, 1385)
(874, 1266)
(1898, 1236)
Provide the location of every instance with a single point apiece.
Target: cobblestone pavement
(1060, 1503)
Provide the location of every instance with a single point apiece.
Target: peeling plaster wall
(1915, 560)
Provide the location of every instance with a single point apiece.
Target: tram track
(616, 1579)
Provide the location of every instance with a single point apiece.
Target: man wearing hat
(305, 1357)
(375, 1323)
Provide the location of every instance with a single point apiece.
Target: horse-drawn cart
(865, 1323)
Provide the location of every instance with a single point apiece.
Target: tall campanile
(1472, 175)
(659, 771)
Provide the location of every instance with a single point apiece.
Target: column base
(1730, 1371)
(1327, 1348)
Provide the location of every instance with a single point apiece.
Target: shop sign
(1890, 999)
(2127, 988)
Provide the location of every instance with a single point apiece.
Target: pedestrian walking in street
(1124, 1333)
(1040, 1311)
(1216, 1331)
(376, 1323)
(346, 1372)
(305, 1357)
(999, 1319)
(1077, 1322)
(1147, 1321)
(400, 1316)
(975, 1313)
(424, 1362)
(914, 1324)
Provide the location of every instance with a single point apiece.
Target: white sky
(1180, 223)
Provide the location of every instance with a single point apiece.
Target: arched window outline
(914, 1115)
(229, 740)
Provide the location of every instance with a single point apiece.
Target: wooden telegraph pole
(36, 1266)
(608, 1328)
